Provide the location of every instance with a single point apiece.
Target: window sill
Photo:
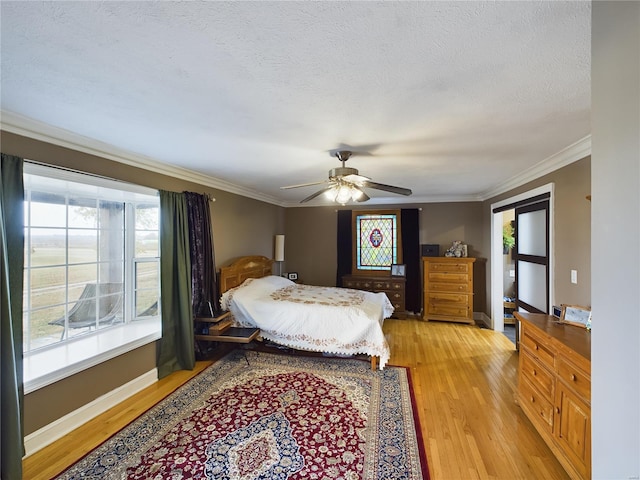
(54, 364)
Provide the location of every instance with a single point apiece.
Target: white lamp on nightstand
(279, 252)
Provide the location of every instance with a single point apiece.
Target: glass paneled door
(532, 257)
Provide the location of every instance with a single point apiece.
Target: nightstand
(219, 329)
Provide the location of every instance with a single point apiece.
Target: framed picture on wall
(398, 270)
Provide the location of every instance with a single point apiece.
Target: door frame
(497, 284)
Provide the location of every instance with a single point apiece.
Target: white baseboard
(57, 429)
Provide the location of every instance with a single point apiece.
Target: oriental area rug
(256, 415)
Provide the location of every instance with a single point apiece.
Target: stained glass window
(377, 241)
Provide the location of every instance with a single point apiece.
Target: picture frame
(293, 276)
(576, 315)
(398, 270)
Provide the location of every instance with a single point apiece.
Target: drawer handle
(534, 372)
(533, 400)
(537, 348)
(558, 410)
(573, 377)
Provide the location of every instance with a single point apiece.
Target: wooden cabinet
(448, 289)
(554, 388)
(393, 287)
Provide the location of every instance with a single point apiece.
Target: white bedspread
(319, 319)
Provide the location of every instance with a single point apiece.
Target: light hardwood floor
(464, 381)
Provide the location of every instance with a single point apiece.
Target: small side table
(233, 335)
(219, 329)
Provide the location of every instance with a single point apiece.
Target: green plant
(508, 240)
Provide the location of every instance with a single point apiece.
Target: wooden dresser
(448, 289)
(554, 388)
(394, 287)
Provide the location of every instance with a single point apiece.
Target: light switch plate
(574, 276)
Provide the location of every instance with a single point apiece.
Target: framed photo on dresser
(398, 270)
(576, 315)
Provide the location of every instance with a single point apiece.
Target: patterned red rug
(258, 415)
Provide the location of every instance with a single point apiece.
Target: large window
(377, 243)
(91, 256)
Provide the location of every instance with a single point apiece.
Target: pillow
(254, 287)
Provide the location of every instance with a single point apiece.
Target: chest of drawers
(448, 289)
(554, 388)
(393, 287)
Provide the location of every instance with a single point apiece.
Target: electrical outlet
(574, 276)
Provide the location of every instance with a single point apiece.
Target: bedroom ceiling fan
(347, 184)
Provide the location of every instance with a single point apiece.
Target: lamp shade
(279, 249)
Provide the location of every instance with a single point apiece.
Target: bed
(330, 320)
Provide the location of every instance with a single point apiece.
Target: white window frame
(52, 363)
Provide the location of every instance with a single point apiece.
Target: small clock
(292, 276)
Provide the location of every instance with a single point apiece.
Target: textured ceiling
(450, 99)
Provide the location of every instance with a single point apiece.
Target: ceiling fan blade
(387, 188)
(302, 185)
(363, 198)
(318, 193)
(357, 179)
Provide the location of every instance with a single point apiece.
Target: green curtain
(12, 265)
(176, 347)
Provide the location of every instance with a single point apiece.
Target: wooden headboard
(255, 266)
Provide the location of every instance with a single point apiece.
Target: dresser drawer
(449, 287)
(395, 296)
(357, 284)
(538, 349)
(449, 299)
(532, 401)
(449, 267)
(398, 306)
(537, 375)
(443, 277)
(575, 378)
(349, 284)
(448, 310)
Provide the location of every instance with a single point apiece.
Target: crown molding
(27, 127)
(564, 157)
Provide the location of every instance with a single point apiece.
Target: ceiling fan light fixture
(344, 194)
